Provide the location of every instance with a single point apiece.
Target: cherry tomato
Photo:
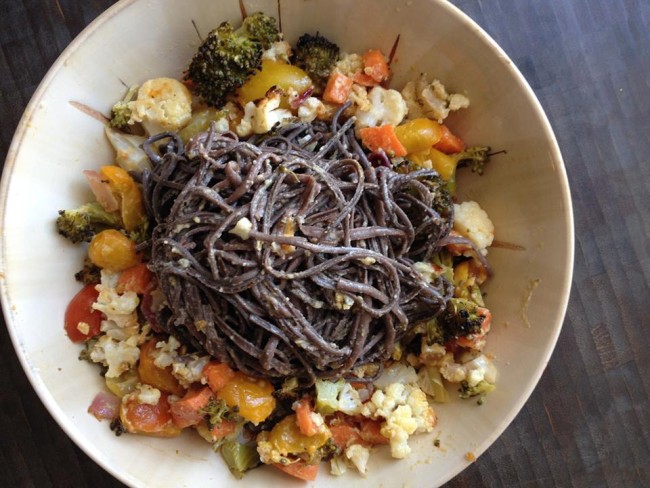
(112, 250)
(286, 438)
(152, 375)
(273, 73)
(130, 196)
(253, 397)
(142, 418)
(81, 320)
(418, 134)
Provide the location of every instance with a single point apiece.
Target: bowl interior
(524, 191)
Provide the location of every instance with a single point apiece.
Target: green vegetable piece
(239, 457)
(481, 388)
(81, 224)
(475, 157)
(316, 55)
(121, 113)
(430, 381)
(228, 57)
(214, 411)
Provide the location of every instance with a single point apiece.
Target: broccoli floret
(214, 412)
(481, 388)
(228, 57)
(121, 113)
(460, 319)
(261, 28)
(81, 224)
(316, 55)
(90, 274)
(475, 157)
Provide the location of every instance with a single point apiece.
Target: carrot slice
(300, 470)
(135, 279)
(217, 375)
(303, 416)
(384, 138)
(187, 410)
(375, 65)
(223, 429)
(449, 143)
(345, 435)
(338, 88)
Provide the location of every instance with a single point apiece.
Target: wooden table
(587, 424)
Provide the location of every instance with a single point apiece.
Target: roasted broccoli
(214, 412)
(261, 28)
(475, 157)
(81, 224)
(459, 319)
(121, 113)
(316, 55)
(228, 57)
(481, 388)
(89, 274)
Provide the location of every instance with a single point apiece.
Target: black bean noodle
(318, 281)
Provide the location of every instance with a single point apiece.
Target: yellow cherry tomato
(444, 164)
(418, 134)
(286, 438)
(273, 73)
(129, 194)
(252, 396)
(112, 250)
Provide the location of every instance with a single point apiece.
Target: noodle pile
(291, 254)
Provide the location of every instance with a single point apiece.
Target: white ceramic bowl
(524, 191)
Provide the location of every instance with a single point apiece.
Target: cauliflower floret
(143, 394)
(387, 108)
(349, 400)
(279, 51)
(398, 427)
(406, 411)
(471, 221)
(188, 369)
(359, 97)
(267, 113)
(430, 99)
(359, 456)
(163, 104)
(349, 64)
(164, 354)
(261, 117)
(119, 309)
(473, 372)
(310, 109)
(117, 356)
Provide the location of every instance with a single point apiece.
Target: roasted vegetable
(316, 55)
(228, 57)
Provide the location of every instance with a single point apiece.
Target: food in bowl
(276, 259)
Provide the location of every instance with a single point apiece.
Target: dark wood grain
(587, 424)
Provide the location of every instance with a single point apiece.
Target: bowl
(524, 190)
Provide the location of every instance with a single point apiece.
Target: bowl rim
(14, 149)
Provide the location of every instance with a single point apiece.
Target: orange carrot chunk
(384, 138)
(375, 65)
(449, 143)
(217, 375)
(300, 470)
(135, 279)
(187, 410)
(338, 88)
(303, 416)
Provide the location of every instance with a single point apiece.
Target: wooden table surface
(587, 424)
